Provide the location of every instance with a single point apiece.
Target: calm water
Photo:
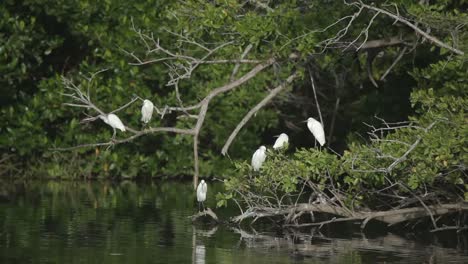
(68, 222)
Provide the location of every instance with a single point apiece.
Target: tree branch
(421, 32)
(254, 110)
(390, 217)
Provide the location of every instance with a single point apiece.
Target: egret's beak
(305, 121)
(276, 135)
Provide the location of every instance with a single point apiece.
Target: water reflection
(315, 245)
(127, 222)
(198, 246)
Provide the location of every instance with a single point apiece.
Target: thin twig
(315, 97)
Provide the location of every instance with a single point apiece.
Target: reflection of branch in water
(316, 245)
(206, 233)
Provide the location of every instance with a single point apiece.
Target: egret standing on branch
(258, 158)
(281, 141)
(201, 194)
(146, 111)
(113, 121)
(317, 130)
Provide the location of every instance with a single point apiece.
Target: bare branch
(397, 59)
(254, 110)
(315, 97)
(414, 27)
(84, 101)
(237, 66)
(413, 146)
(124, 106)
(389, 217)
(128, 139)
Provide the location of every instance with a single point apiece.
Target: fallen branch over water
(206, 212)
(390, 217)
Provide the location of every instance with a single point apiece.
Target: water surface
(127, 222)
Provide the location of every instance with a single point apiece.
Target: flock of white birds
(315, 127)
(259, 156)
(114, 121)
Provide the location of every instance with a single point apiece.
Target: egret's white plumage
(281, 141)
(146, 111)
(202, 189)
(258, 158)
(317, 130)
(113, 121)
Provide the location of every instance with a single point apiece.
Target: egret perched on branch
(258, 158)
(113, 121)
(201, 194)
(146, 111)
(281, 141)
(317, 130)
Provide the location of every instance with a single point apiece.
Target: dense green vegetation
(358, 86)
(424, 157)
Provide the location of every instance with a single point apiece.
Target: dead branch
(180, 67)
(206, 212)
(421, 32)
(131, 138)
(254, 110)
(390, 217)
(369, 60)
(237, 66)
(397, 59)
(315, 97)
(381, 43)
(194, 131)
(332, 123)
(446, 228)
(413, 146)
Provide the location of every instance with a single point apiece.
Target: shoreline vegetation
(163, 89)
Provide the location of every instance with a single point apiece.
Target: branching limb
(390, 217)
(254, 110)
(421, 32)
(202, 106)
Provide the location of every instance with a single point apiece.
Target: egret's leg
(199, 207)
(203, 204)
(113, 134)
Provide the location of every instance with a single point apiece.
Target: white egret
(113, 121)
(317, 130)
(258, 158)
(201, 194)
(146, 111)
(281, 141)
